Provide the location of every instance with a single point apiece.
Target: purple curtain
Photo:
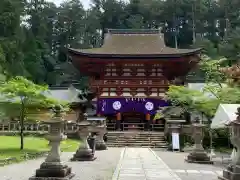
(143, 105)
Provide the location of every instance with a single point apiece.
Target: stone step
(135, 140)
(137, 145)
(153, 137)
(122, 135)
(141, 144)
(135, 135)
(134, 132)
(140, 140)
(125, 135)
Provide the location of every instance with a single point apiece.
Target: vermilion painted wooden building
(131, 72)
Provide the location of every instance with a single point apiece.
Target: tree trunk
(22, 124)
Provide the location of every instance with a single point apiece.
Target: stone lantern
(198, 154)
(98, 126)
(84, 153)
(173, 126)
(232, 172)
(53, 168)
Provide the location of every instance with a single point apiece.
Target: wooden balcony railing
(130, 83)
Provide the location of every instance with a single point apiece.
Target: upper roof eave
(92, 54)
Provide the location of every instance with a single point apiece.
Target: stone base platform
(83, 158)
(200, 162)
(222, 178)
(51, 172)
(231, 173)
(68, 177)
(200, 158)
(101, 146)
(83, 155)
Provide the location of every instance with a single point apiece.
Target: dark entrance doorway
(133, 121)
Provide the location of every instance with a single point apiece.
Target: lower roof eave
(139, 56)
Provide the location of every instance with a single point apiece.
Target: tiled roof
(70, 95)
(133, 43)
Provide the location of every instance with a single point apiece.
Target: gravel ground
(100, 169)
(190, 171)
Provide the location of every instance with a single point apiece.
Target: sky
(84, 2)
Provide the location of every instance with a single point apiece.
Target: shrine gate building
(130, 74)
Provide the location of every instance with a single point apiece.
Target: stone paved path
(100, 169)
(188, 171)
(125, 164)
(142, 164)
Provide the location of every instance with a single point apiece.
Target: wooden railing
(27, 127)
(111, 126)
(157, 127)
(33, 127)
(69, 128)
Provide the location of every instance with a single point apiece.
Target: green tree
(192, 100)
(10, 37)
(22, 93)
(208, 47)
(229, 48)
(40, 44)
(212, 70)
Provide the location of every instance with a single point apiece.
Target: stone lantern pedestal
(232, 172)
(84, 153)
(99, 127)
(198, 154)
(100, 144)
(53, 168)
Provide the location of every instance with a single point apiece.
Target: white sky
(84, 2)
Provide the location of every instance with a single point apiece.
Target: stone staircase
(136, 139)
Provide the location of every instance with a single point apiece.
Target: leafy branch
(24, 96)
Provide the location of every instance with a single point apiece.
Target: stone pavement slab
(142, 164)
(100, 169)
(189, 171)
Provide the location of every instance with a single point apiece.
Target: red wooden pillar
(118, 121)
(148, 118)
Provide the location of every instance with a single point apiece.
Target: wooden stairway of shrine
(136, 139)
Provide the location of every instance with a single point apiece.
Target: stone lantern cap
(84, 123)
(97, 121)
(96, 118)
(175, 121)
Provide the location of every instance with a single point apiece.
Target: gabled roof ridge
(134, 31)
(137, 34)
